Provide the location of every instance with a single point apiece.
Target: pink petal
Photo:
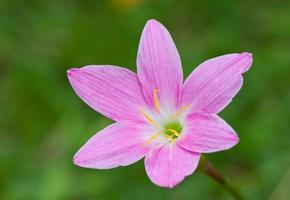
(169, 165)
(158, 64)
(113, 91)
(206, 133)
(213, 84)
(120, 144)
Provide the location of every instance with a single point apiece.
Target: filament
(154, 136)
(184, 108)
(149, 119)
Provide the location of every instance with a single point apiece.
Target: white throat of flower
(169, 127)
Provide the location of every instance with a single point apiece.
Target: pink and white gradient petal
(159, 66)
(207, 133)
(120, 144)
(169, 165)
(113, 91)
(213, 84)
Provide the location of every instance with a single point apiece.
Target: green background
(43, 123)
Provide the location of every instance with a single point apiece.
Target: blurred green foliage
(43, 122)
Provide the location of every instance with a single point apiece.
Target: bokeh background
(43, 123)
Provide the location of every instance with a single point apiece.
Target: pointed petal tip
(71, 71)
(248, 54)
(249, 59)
(151, 21)
(236, 139)
(79, 161)
(168, 185)
(76, 160)
(173, 185)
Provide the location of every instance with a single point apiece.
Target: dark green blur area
(43, 122)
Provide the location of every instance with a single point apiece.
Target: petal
(113, 91)
(206, 133)
(158, 65)
(168, 165)
(213, 84)
(120, 144)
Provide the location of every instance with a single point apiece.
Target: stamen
(169, 138)
(154, 136)
(156, 100)
(174, 132)
(150, 120)
(184, 108)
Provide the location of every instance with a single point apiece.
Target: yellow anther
(169, 138)
(184, 108)
(156, 103)
(154, 136)
(174, 132)
(150, 120)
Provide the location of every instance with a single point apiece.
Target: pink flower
(159, 117)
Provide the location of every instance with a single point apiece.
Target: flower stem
(209, 169)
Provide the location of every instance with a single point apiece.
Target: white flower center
(168, 127)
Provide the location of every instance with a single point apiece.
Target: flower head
(159, 117)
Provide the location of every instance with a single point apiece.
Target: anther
(156, 103)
